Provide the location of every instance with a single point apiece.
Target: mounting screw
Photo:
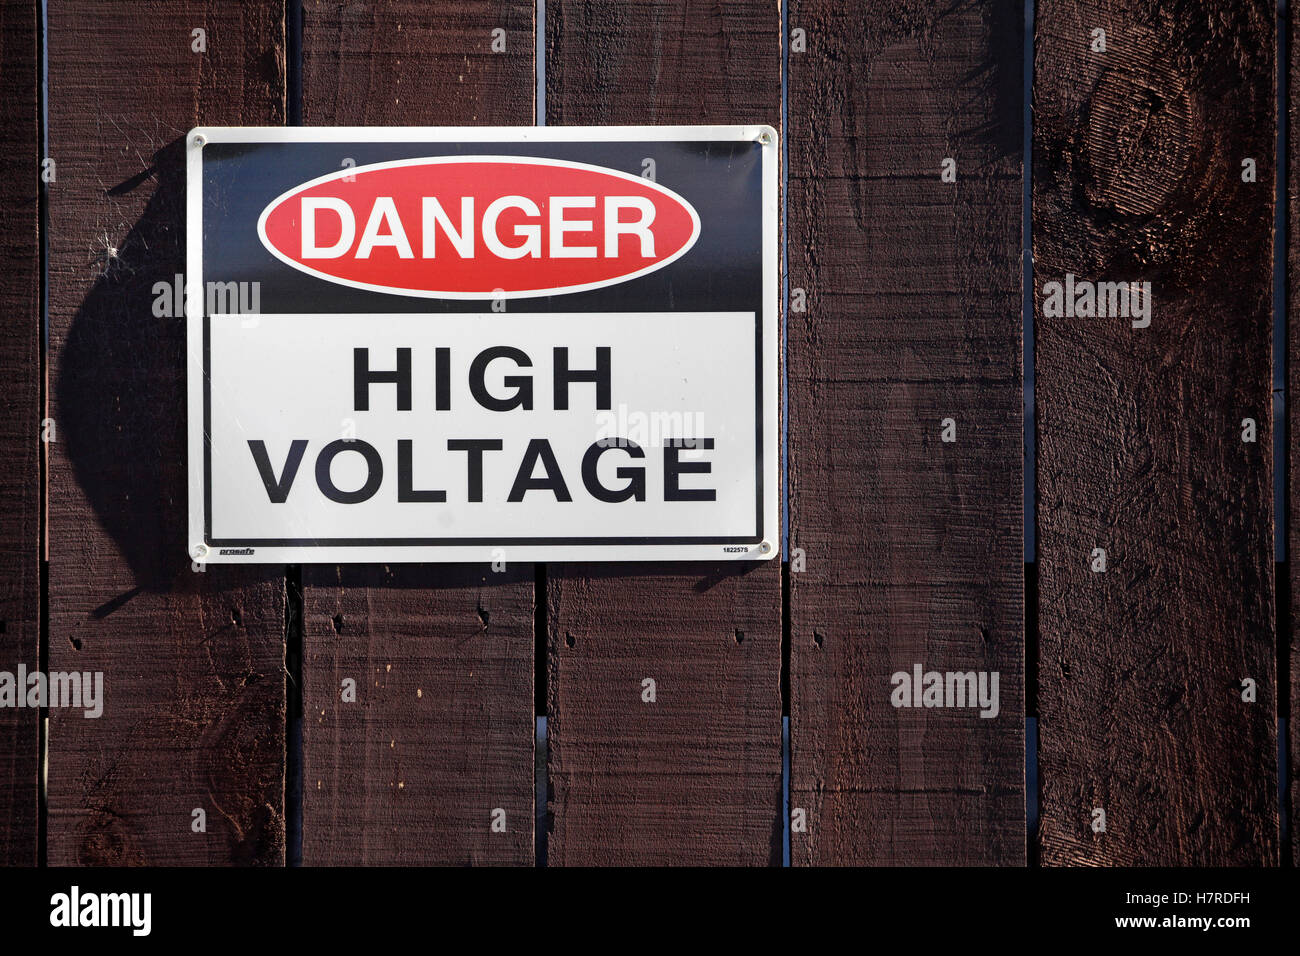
(765, 138)
(199, 552)
(764, 548)
(200, 139)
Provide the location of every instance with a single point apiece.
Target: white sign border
(766, 548)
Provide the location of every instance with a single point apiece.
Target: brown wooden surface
(913, 546)
(20, 417)
(1293, 392)
(1137, 176)
(694, 778)
(192, 662)
(442, 732)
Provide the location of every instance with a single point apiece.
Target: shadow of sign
(121, 387)
(196, 659)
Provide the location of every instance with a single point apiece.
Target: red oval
(427, 227)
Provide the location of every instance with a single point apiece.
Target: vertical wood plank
(192, 663)
(442, 732)
(1293, 411)
(1138, 176)
(913, 544)
(696, 778)
(20, 416)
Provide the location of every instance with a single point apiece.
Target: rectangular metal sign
(482, 344)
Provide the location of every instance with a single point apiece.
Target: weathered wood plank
(20, 416)
(442, 731)
(192, 663)
(695, 778)
(1138, 176)
(1293, 410)
(912, 544)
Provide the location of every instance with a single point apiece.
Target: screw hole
(568, 639)
(338, 623)
(740, 636)
(817, 639)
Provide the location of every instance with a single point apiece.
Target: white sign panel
(511, 344)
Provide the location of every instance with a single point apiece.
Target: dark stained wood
(694, 778)
(412, 62)
(442, 732)
(913, 546)
(1293, 393)
(614, 62)
(192, 662)
(1138, 176)
(20, 416)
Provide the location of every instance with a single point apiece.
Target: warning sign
(530, 344)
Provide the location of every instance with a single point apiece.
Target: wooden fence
(1157, 683)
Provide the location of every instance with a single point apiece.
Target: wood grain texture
(1138, 177)
(442, 733)
(20, 416)
(1293, 411)
(614, 62)
(694, 778)
(193, 713)
(415, 62)
(913, 545)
